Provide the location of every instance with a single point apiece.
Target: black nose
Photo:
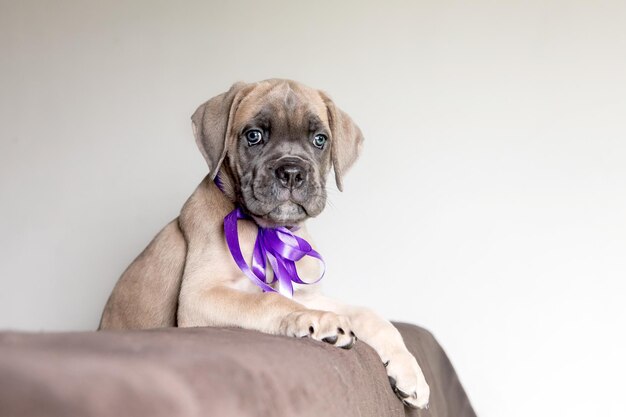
(290, 175)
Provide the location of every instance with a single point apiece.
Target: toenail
(349, 345)
(401, 393)
(408, 404)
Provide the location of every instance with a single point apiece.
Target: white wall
(491, 193)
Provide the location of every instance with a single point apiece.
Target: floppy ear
(211, 125)
(346, 141)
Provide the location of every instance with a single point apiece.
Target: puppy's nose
(290, 175)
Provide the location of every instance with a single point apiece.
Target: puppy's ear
(346, 141)
(211, 125)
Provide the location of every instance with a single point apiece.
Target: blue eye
(319, 141)
(254, 137)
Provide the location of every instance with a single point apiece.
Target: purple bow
(279, 246)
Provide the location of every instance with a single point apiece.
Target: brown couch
(211, 372)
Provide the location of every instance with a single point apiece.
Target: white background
(489, 204)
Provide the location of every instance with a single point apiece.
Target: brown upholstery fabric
(210, 372)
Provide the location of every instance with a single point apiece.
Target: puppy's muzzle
(292, 173)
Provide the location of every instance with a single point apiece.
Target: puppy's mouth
(285, 214)
(274, 206)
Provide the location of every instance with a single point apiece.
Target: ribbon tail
(232, 241)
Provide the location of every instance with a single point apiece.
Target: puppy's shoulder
(204, 211)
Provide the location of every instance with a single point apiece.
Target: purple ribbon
(279, 246)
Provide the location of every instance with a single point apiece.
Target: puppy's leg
(404, 373)
(265, 312)
(146, 294)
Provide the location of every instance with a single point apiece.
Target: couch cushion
(210, 372)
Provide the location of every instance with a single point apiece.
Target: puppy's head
(276, 142)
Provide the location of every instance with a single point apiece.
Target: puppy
(270, 147)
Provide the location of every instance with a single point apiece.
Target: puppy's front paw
(325, 326)
(407, 379)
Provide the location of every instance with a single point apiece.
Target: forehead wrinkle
(313, 122)
(252, 102)
(283, 105)
(290, 98)
(262, 117)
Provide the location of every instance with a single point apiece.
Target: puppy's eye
(319, 141)
(254, 137)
